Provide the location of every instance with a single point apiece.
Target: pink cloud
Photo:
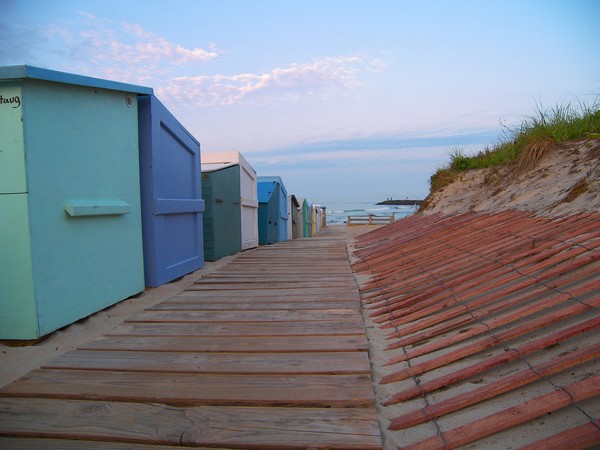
(131, 43)
(321, 77)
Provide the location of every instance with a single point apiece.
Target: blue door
(172, 202)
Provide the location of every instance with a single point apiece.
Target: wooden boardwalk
(268, 352)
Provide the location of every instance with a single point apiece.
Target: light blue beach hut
(70, 222)
(272, 210)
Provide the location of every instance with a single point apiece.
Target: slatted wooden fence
(370, 220)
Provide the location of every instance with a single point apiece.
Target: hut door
(171, 195)
(249, 206)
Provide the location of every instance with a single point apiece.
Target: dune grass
(525, 145)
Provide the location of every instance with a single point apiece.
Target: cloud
(376, 66)
(322, 76)
(377, 150)
(131, 43)
(148, 46)
(99, 46)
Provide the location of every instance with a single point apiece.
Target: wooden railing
(370, 220)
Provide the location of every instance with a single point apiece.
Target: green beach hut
(231, 206)
(306, 217)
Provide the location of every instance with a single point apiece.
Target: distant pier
(401, 202)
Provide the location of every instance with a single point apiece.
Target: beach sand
(565, 181)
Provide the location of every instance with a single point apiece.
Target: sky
(345, 100)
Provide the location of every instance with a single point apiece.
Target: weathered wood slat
(235, 363)
(244, 316)
(494, 340)
(466, 318)
(265, 290)
(307, 268)
(235, 344)
(9, 443)
(581, 437)
(319, 328)
(241, 427)
(269, 296)
(434, 315)
(183, 389)
(514, 316)
(513, 416)
(495, 388)
(237, 277)
(187, 304)
(273, 283)
(495, 361)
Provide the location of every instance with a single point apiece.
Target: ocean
(339, 210)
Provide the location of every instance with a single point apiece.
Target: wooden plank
(273, 283)
(514, 416)
(495, 388)
(581, 437)
(10, 443)
(294, 259)
(236, 344)
(352, 326)
(259, 292)
(495, 361)
(235, 363)
(184, 389)
(237, 427)
(245, 316)
(494, 340)
(183, 304)
(308, 269)
(241, 277)
(515, 315)
(270, 296)
(473, 315)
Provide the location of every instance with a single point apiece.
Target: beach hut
(70, 212)
(319, 218)
(172, 204)
(300, 219)
(316, 219)
(293, 224)
(230, 195)
(306, 217)
(272, 210)
(323, 216)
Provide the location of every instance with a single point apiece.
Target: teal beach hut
(70, 221)
(300, 227)
(272, 210)
(306, 218)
